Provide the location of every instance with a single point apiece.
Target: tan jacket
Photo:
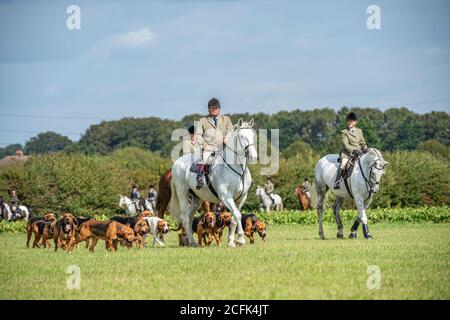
(208, 136)
(352, 141)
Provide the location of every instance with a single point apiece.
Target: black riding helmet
(191, 129)
(351, 117)
(214, 103)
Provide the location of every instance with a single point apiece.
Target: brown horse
(302, 198)
(165, 192)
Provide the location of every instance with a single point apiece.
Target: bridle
(371, 181)
(245, 154)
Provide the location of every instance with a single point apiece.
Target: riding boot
(354, 229)
(201, 175)
(337, 183)
(366, 231)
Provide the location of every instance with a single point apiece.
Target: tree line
(389, 130)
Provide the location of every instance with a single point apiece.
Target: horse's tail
(174, 205)
(313, 194)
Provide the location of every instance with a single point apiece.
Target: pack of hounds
(69, 231)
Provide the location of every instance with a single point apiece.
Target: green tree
(46, 142)
(10, 150)
(410, 134)
(435, 147)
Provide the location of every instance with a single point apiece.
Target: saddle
(209, 162)
(349, 166)
(347, 171)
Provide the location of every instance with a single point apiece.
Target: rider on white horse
(268, 188)
(210, 134)
(14, 203)
(135, 196)
(353, 141)
(229, 181)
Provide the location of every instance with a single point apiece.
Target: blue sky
(167, 58)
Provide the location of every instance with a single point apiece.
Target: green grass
(293, 264)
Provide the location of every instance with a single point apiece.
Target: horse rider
(353, 142)
(190, 144)
(14, 202)
(135, 196)
(151, 196)
(210, 133)
(268, 188)
(306, 188)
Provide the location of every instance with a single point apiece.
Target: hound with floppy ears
(223, 220)
(251, 223)
(141, 229)
(43, 230)
(204, 227)
(110, 231)
(65, 231)
(47, 217)
(158, 228)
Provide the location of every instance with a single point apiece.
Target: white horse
(8, 215)
(228, 175)
(130, 208)
(266, 200)
(364, 182)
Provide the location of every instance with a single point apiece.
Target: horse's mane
(375, 152)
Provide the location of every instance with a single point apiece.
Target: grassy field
(414, 260)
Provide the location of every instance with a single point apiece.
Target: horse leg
(337, 216)
(187, 216)
(235, 222)
(321, 192)
(362, 217)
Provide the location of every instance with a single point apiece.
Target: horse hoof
(240, 243)
(231, 245)
(194, 245)
(352, 236)
(368, 237)
(340, 236)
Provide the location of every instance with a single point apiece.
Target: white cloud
(133, 43)
(133, 39)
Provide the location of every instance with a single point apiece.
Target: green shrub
(14, 227)
(425, 214)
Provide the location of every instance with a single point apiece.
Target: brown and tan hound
(251, 223)
(65, 232)
(203, 226)
(110, 231)
(47, 217)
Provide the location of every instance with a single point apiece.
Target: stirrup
(201, 182)
(337, 184)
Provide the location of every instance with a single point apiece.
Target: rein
(370, 182)
(243, 167)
